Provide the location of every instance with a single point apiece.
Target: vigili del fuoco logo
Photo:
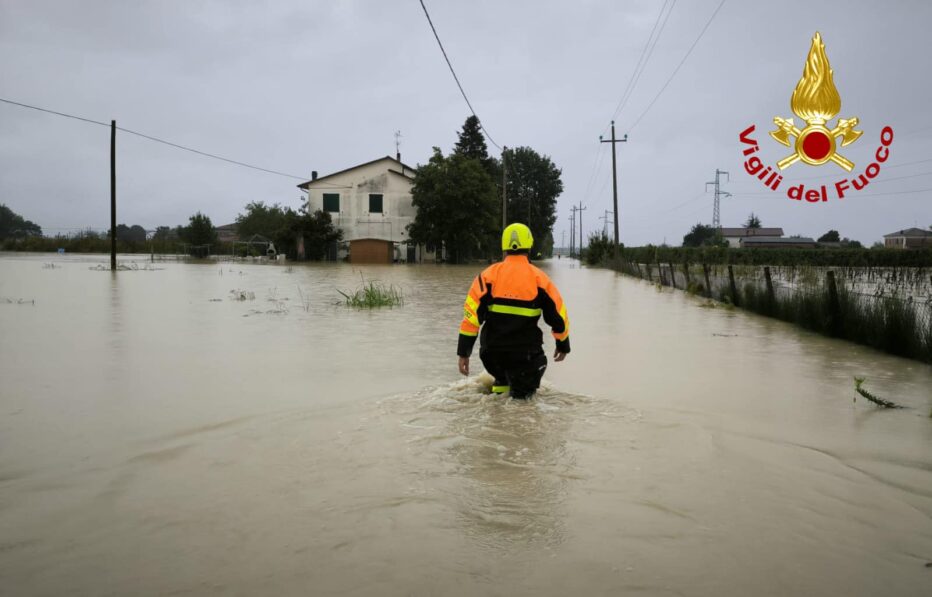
(816, 101)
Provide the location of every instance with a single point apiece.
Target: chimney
(313, 174)
(398, 156)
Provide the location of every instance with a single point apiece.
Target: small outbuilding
(773, 242)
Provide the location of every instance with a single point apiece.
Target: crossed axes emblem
(787, 128)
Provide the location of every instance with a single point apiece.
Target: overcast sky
(306, 85)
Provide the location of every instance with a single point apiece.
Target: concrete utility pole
(716, 219)
(615, 141)
(581, 209)
(562, 240)
(504, 192)
(113, 129)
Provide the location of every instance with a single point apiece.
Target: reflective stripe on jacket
(506, 302)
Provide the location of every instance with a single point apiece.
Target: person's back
(506, 301)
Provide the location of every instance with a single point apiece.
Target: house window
(375, 203)
(332, 202)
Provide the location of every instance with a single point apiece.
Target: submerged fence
(888, 308)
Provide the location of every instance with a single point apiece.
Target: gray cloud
(299, 86)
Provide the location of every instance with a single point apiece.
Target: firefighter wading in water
(506, 301)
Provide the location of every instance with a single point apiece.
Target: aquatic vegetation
(19, 301)
(858, 381)
(373, 294)
(242, 295)
(305, 300)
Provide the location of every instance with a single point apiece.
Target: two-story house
(373, 206)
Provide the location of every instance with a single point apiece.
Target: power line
(641, 65)
(158, 140)
(455, 78)
(677, 69)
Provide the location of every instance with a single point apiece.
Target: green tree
(199, 231)
(162, 233)
(456, 206)
(471, 144)
(316, 229)
(752, 222)
(533, 186)
(702, 235)
(831, 236)
(259, 218)
(14, 225)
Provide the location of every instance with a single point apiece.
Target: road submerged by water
(161, 432)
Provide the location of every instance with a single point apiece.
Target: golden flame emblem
(816, 101)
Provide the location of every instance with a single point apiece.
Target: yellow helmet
(517, 237)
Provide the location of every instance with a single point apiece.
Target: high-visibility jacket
(506, 301)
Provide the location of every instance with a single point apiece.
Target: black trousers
(520, 370)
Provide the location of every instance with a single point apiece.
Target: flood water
(159, 437)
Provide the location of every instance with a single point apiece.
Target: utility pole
(113, 264)
(615, 141)
(562, 240)
(581, 209)
(504, 192)
(573, 231)
(716, 217)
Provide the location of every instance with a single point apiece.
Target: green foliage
(373, 294)
(702, 235)
(859, 381)
(533, 186)
(471, 144)
(261, 219)
(752, 222)
(199, 231)
(457, 206)
(13, 225)
(831, 236)
(599, 250)
(790, 256)
(134, 234)
(316, 229)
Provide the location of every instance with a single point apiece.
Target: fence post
(686, 272)
(708, 285)
(769, 282)
(734, 289)
(672, 275)
(638, 268)
(650, 277)
(833, 307)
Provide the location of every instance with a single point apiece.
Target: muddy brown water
(158, 437)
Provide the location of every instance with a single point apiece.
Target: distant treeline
(760, 256)
(91, 242)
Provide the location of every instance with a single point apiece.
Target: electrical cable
(677, 69)
(163, 141)
(647, 51)
(455, 78)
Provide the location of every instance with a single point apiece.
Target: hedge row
(787, 257)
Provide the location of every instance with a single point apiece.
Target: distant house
(777, 242)
(734, 235)
(910, 238)
(227, 233)
(373, 206)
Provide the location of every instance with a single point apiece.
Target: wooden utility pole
(615, 141)
(113, 263)
(572, 231)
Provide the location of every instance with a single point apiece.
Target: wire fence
(887, 308)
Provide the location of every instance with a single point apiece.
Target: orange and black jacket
(506, 301)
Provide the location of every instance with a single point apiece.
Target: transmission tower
(719, 193)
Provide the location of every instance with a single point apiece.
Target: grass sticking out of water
(858, 381)
(372, 295)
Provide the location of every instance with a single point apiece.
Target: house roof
(911, 232)
(776, 240)
(306, 185)
(742, 232)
